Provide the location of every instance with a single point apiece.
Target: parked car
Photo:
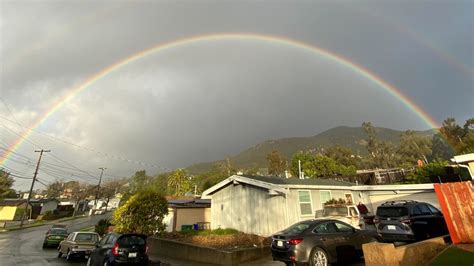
(78, 244)
(409, 221)
(123, 249)
(54, 236)
(320, 242)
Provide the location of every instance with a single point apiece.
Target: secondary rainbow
(330, 56)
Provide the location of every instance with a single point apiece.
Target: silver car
(78, 244)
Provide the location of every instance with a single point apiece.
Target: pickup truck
(346, 213)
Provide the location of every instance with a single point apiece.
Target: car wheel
(68, 255)
(319, 257)
(106, 263)
(60, 254)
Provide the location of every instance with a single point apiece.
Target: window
(296, 228)
(424, 209)
(353, 212)
(392, 211)
(324, 196)
(86, 237)
(325, 228)
(343, 228)
(433, 209)
(306, 207)
(348, 198)
(416, 211)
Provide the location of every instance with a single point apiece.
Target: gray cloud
(204, 101)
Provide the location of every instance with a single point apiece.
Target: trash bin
(186, 227)
(195, 227)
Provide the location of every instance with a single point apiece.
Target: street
(23, 247)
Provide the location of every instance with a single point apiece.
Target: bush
(143, 213)
(102, 226)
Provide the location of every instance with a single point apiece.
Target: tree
(6, 183)
(413, 148)
(143, 213)
(315, 166)
(427, 173)
(307, 162)
(343, 156)
(138, 182)
(109, 190)
(54, 189)
(79, 192)
(381, 153)
(276, 163)
(179, 182)
(460, 139)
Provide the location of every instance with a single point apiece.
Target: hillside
(350, 137)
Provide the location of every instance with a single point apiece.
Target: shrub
(143, 213)
(102, 226)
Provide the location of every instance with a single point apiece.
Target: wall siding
(248, 209)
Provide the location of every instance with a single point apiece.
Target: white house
(264, 205)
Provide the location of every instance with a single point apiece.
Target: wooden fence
(456, 201)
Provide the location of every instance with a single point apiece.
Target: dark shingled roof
(296, 181)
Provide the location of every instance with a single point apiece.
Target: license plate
(391, 227)
(132, 255)
(280, 243)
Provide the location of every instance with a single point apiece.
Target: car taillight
(115, 249)
(295, 241)
(406, 221)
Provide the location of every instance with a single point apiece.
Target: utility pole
(32, 184)
(98, 187)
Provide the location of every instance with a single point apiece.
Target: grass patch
(215, 232)
(88, 229)
(454, 256)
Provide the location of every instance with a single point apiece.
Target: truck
(347, 213)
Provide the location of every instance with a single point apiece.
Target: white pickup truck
(345, 213)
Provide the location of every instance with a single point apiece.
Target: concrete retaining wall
(419, 253)
(159, 247)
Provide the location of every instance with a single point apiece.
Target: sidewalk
(15, 225)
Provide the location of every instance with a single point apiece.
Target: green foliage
(319, 166)
(143, 213)
(382, 154)
(276, 163)
(101, 226)
(6, 183)
(218, 232)
(459, 140)
(179, 183)
(413, 148)
(343, 156)
(335, 201)
(138, 182)
(427, 173)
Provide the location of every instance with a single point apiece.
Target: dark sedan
(120, 249)
(320, 242)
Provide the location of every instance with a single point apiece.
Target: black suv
(407, 220)
(120, 249)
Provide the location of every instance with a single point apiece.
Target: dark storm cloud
(206, 101)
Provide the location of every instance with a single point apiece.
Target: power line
(103, 154)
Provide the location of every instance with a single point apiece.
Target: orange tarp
(456, 201)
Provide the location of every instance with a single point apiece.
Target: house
(12, 209)
(465, 161)
(265, 205)
(188, 211)
(41, 206)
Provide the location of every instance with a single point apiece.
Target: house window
(306, 208)
(349, 199)
(324, 196)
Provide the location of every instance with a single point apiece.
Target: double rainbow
(329, 56)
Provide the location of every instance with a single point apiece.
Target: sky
(206, 100)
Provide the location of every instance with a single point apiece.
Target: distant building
(12, 209)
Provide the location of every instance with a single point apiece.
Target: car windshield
(86, 238)
(131, 240)
(58, 232)
(335, 211)
(296, 228)
(392, 211)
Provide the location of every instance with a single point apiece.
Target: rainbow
(330, 56)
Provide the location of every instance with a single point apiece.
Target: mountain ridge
(349, 137)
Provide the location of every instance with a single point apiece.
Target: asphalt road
(24, 247)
